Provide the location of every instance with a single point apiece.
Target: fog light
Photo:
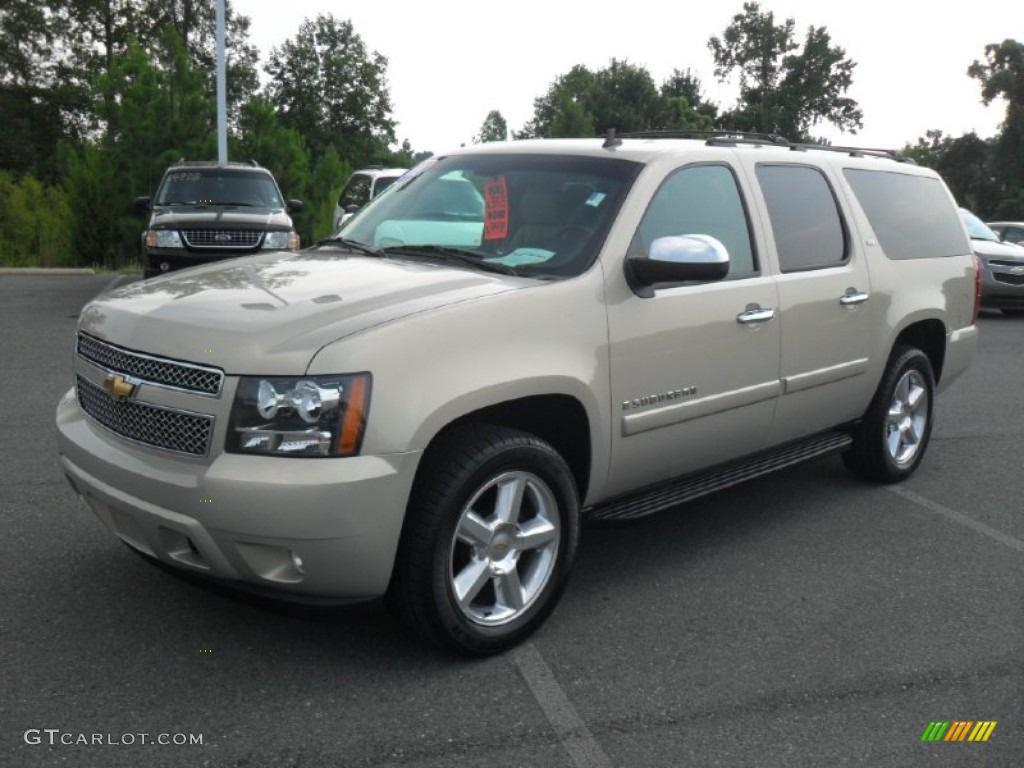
(297, 563)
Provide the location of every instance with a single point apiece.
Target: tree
(195, 21)
(494, 128)
(967, 164)
(621, 96)
(784, 88)
(684, 103)
(1002, 76)
(37, 102)
(328, 177)
(329, 88)
(262, 137)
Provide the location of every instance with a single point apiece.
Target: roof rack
(230, 163)
(735, 138)
(715, 135)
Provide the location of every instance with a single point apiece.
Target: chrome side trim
(634, 423)
(802, 381)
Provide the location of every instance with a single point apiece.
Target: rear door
(825, 302)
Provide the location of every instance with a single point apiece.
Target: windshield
(976, 228)
(540, 214)
(219, 187)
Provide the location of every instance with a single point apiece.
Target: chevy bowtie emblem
(118, 386)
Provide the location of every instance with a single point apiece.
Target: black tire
(891, 440)
(478, 465)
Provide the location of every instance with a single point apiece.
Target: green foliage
(264, 139)
(90, 186)
(329, 88)
(785, 88)
(329, 175)
(1002, 77)
(33, 224)
(494, 128)
(967, 165)
(621, 96)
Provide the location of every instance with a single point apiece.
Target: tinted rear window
(913, 216)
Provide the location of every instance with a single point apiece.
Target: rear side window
(808, 230)
(913, 216)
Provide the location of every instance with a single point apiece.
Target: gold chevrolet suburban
(512, 339)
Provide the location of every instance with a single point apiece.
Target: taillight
(977, 288)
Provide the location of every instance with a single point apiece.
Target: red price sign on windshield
(495, 208)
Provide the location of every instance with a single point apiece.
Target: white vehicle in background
(361, 187)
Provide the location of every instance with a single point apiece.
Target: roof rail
(891, 154)
(734, 138)
(716, 135)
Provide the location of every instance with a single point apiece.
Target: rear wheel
(489, 541)
(891, 440)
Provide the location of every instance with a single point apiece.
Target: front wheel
(489, 540)
(891, 440)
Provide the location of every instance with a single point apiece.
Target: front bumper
(1002, 286)
(303, 529)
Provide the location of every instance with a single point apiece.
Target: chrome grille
(1006, 277)
(221, 238)
(155, 370)
(143, 423)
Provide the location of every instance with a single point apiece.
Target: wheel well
(559, 420)
(930, 337)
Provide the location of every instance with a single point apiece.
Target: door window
(701, 200)
(809, 232)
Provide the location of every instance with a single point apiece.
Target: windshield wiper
(352, 245)
(451, 255)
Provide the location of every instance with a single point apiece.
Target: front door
(694, 368)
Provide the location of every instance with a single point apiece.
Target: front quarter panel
(434, 368)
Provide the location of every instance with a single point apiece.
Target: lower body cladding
(306, 530)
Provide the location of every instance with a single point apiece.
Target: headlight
(163, 238)
(281, 241)
(293, 416)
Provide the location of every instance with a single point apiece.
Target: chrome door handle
(852, 298)
(758, 315)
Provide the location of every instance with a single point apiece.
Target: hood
(219, 217)
(269, 314)
(995, 250)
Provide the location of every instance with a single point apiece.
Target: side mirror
(677, 259)
(294, 205)
(143, 205)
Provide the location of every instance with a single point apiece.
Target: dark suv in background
(207, 211)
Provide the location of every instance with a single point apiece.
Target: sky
(450, 62)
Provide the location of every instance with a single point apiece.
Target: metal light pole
(222, 109)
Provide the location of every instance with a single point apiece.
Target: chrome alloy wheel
(505, 548)
(907, 417)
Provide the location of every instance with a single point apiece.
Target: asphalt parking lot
(803, 619)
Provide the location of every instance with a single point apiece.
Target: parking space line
(957, 517)
(574, 735)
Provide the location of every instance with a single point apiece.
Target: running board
(675, 492)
